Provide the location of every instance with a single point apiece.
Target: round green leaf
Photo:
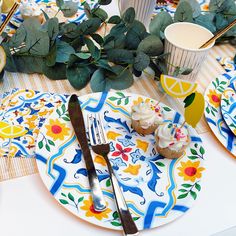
(100, 13)
(195, 7)
(89, 26)
(129, 15)
(184, 12)
(56, 72)
(69, 8)
(114, 20)
(120, 56)
(78, 76)
(151, 45)
(123, 80)
(141, 61)
(160, 22)
(98, 81)
(64, 50)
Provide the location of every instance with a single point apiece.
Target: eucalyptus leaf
(2, 75)
(184, 12)
(97, 38)
(120, 56)
(89, 26)
(95, 52)
(18, 38)
(51, 57)
(152, 46)
(118, 29)
(104, 2)
(195, 7)
(98, 81)
(141, 61)
(206, 21)
(104, 64)
(135, 35)
(129, 15)
(123, 80)
(37, 41)
(70, 30)
(100, 13)
(56, 72)
(69, 8)
(215, 5)
(102, 81)
(87, 10)
(53, 28)
(64, 50)
(114, 20)
(83, 55)
(25, 64)
(78, 76)
(160, 22)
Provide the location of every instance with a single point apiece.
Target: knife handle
(129, 226)
(99, 202)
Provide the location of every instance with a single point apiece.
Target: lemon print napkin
(22, 114)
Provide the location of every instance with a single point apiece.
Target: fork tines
(96, 129)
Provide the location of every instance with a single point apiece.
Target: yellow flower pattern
(57, 130)
(190, 171)
(90, 212)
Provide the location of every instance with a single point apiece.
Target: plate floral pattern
(228, 107)
(213, 113)
(157, 190)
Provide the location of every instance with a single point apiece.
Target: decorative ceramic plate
(213, 110)
(50, 7)
(157, 190)
(228, 107)
(171, 7)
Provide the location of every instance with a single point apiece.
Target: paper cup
(182, 41)
(143, 8)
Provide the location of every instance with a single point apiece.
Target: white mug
(143, 9)
(182, 42)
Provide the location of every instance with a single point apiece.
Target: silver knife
(77, 121)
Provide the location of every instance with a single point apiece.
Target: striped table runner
(145, 85)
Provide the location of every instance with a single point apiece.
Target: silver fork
(100, 146)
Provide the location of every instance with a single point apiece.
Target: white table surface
(27, 208)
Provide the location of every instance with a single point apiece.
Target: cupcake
(146, 117)
(171, 140)
(30, 9)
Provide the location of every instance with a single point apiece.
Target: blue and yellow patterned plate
(213, 113)
(228, 106)
(157, 190)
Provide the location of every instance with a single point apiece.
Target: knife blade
(77, 121)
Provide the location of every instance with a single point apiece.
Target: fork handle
(129, 227)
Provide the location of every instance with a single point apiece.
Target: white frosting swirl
(172, 136)
(147, 114)
(30, 8)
